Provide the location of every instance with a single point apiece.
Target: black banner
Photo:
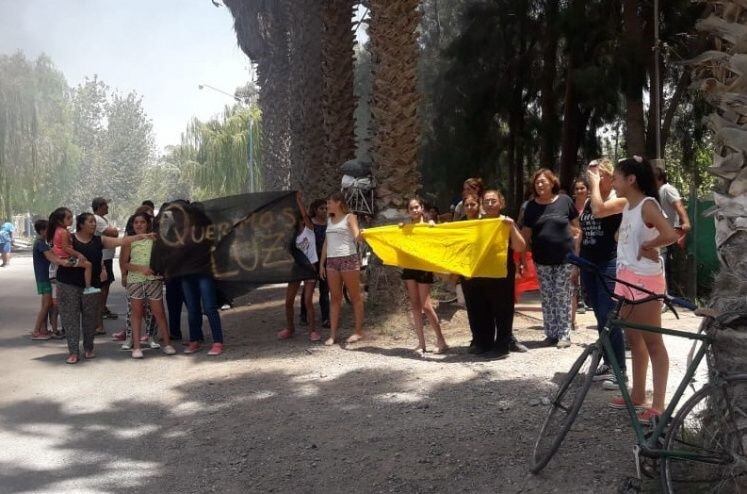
(243, 241)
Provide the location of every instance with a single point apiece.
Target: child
(59, 236)
(143, 285)
(43, 258)
(644, 229)
(418, 284)
(306, 243)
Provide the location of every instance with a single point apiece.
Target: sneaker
(603, 373)
(517, 347)
(119, 335)
(137, 353)
(152, 344)
(619, 404)
(564, 343)
(314, 336)
(127, 345)
(649, 416)
(477, 350)
(216, 349)
(549, 342)
(91, 290)
(581, 309)
(611, 383)
(285, 334)
(192, 347)
(169, 350)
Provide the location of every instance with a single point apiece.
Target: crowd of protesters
(619, 217)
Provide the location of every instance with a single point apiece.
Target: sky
(162, 49)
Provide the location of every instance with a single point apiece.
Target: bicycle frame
(650, 446)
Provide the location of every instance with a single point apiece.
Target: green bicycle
(699, 447)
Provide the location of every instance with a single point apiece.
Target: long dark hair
(56, 220)
(81, 219)
(148, 221)
(643, 172)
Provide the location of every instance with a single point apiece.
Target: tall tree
(393, 33)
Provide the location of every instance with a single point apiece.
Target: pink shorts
(345, 263)
(654, 283)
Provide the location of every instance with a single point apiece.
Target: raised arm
(599, 207)
(113, 243)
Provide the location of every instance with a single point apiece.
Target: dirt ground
(292, 416)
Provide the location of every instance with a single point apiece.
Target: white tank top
(633, 232)
(340, 241)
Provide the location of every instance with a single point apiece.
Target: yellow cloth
(469, 248)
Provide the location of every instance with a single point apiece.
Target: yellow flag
(469, 248)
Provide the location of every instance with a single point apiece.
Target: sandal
(355, 338)
(71, 359)
(41, 336)
(89, 355)
(285, 334)
(441, 349)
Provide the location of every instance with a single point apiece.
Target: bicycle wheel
(564, 407)
(712, 425)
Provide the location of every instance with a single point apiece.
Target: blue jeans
(601, 302)
(196, 288)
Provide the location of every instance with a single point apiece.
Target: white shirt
(632, 233)
(306, 243)
(340, 241)
(102, 224)
(668, 196)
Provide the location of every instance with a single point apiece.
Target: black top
(320, 233)
(551, 237)
(75, 276)
(598, 243)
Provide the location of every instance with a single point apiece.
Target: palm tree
(338, 104)
(307, 119)
(722, 76)
(395, 99)
(262, 32)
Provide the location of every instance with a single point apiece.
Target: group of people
(621, 219)
(74, 270)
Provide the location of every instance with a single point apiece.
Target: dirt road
(271, 416)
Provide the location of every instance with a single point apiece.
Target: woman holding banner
(418, 286)
(340, 265)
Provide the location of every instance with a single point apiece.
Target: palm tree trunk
(306, 122)
(730, 286)
(395, 100)
(338, 100)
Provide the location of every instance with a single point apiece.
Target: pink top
(60, 235)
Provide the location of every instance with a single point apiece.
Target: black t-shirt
(551, 237)
(598, 243)
(75, 276)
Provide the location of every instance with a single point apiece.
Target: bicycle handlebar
(668, 300)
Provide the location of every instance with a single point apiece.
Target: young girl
(418, 284)
(59, 236)
(644, 229)
(306, 243)
(580, 197)
(143, 285)
(340, 265)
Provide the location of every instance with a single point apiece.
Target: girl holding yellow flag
(418, 285)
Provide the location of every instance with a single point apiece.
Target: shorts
(421, 277)
(345, 263)
(109, 266)
(151, 290)
(653, 283)
(5, 248)
(43, 287)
